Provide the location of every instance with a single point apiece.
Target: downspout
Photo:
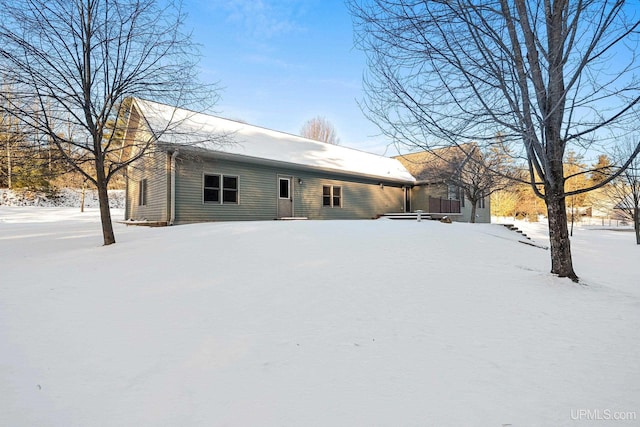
(173, 187)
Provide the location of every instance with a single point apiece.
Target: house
(434, 192)
(205, 168)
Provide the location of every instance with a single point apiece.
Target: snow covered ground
(312, 323)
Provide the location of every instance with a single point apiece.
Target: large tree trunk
(105, 215)
(103, 197)
(561, 262)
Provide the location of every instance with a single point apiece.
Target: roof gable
(433, 165)
(217, 135)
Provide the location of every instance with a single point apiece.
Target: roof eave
(291, 165)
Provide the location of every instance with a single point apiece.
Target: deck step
(405, 215)
(517, 230)
(144, 223)
(425, 215)
(409, 217)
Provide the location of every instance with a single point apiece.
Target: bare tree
(74, 63)
(320, 129)
(548, 75)
(475, 173)
(625, 190)
(480, 174)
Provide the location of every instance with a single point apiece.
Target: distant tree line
(30, 160)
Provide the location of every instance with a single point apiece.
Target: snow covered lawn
(312, 323)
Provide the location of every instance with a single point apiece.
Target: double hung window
(332, 196)
(220, 189)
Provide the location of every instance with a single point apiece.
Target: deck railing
(438, 205)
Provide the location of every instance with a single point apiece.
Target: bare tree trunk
(105, 216)
(474, 204)
(472, 197)
(561, 263)
(103, 197)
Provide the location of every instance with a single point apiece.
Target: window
(481, 203)
(331, 196)
(230, 189)
(212, 189)
(337, 197)
(284, 188)
(326, 195)
(142, 192)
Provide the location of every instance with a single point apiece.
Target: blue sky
(283, 62)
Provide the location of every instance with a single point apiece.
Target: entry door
(407, 199)
(285, 196)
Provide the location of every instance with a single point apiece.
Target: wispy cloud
(270, 61)
(260, 19)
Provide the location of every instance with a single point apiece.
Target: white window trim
(289, 182)
(143, 189)
(331, 187)
(221, 177)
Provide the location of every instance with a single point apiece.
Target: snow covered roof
(182, 127)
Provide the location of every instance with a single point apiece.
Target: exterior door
(407, 199)
(285, 196)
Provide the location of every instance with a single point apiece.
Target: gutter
(173, 187)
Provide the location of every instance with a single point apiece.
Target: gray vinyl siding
(258, 193)
(154, 167)
(361, 199)
(483, 215)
